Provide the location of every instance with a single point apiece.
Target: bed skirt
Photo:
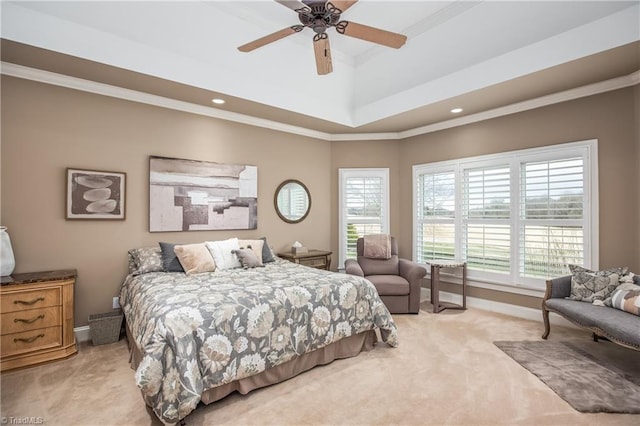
(344, 348)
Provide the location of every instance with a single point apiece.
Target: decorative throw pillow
(625, 282)
(589, 286)
(221, 252)
(170, 262)
(255, 245)
(144, 260)
(627, 300)
(247, 257)
(195, 258)
(267, 254)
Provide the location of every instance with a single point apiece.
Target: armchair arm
(558, 288)
(352, 267)
(412, 272)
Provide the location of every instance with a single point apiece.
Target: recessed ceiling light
(218, 101)
(456, 110)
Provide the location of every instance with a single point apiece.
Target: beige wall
(610, 117)
(364, 154)
(46, 129)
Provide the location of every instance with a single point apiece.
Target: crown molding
(89, 86)
(555, 98)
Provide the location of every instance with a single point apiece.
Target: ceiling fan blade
(343, 4)
(270, 38)
(374, 35)
(323, 55)
(292, 4)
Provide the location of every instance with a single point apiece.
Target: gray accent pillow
(267, 254)
(170, 261)
(589, 286)
(247, 257)
(145, 259)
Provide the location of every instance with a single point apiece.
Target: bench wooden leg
(545, 319)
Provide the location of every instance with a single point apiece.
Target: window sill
(524, 290)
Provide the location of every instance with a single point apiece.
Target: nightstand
(318, 259)
(37, 318)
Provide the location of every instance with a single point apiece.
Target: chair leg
(595, 337)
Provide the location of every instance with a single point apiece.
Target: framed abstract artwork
(93, 194)
(190, 195)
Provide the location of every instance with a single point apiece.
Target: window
(486, 213)
(517, 218)
(552, 206)
(436, 212)
(364, 207)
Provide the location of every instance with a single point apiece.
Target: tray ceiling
(473, 54)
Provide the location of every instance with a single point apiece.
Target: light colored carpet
(447, 371)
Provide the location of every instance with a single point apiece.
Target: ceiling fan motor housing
(319, 15)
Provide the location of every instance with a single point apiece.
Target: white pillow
(221, 252)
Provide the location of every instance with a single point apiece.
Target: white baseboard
(501, 308)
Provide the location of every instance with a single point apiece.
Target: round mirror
(292, 201)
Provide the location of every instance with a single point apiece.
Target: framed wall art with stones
(93, 194)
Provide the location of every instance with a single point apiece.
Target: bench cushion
(614, 323)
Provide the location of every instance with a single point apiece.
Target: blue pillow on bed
(267, 255)
(170, 261)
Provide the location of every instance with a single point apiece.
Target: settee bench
(613, 324)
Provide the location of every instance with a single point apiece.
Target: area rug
(589, 383)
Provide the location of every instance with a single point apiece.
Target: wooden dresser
(318, 259)
(37, 318)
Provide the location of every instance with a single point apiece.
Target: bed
(201, 337)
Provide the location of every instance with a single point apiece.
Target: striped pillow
(627, 300)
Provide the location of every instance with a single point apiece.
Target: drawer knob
(30, 302)
(27, 339)
(29, 321)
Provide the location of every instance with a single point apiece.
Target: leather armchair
(397, 280)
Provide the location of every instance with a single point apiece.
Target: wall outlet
(115, 304)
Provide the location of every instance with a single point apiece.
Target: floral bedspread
(201, 331)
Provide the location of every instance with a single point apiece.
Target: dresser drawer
(315, 262)
(20, 301)
(31, 340)
(30, 319)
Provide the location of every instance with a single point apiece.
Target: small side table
(435, 284)
(318, 259)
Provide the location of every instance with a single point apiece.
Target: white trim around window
(363, 207)
(517, 217)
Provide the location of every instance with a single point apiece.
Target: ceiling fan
(320, 15)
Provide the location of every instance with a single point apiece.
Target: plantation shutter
(486, 218)
(364, 206)
(435, 216)
(552, 225)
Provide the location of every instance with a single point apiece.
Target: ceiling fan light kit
(319, 15)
